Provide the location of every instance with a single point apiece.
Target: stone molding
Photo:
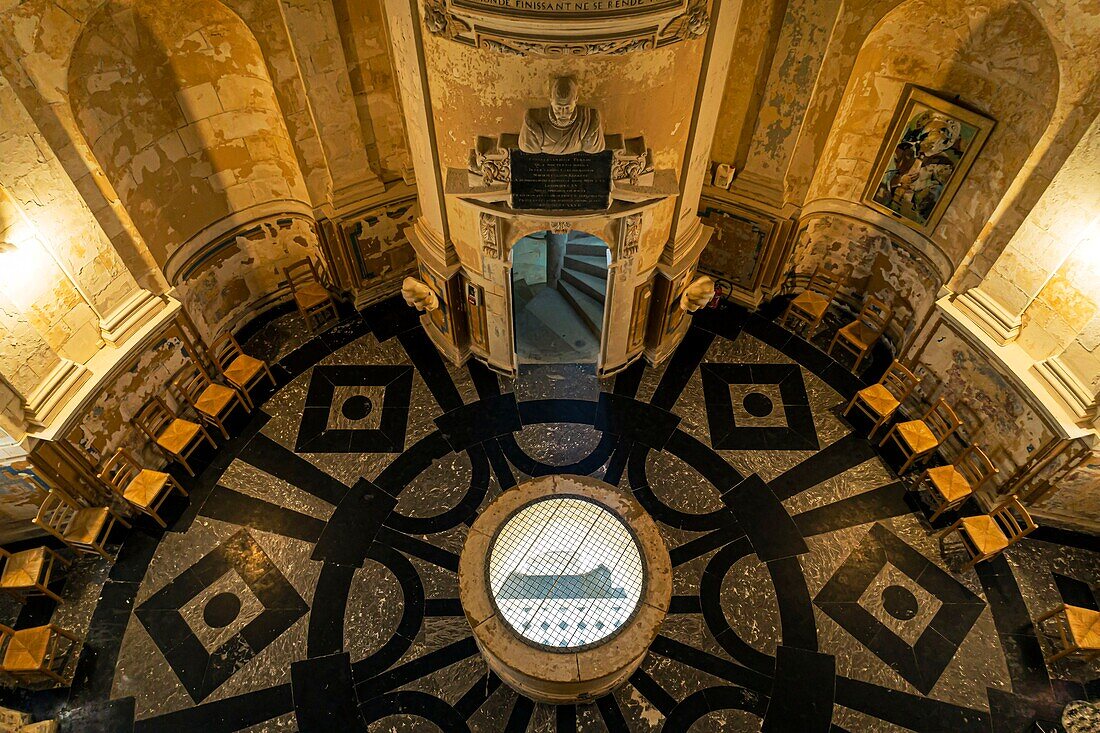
(1061, 382)
(989, 315)
(527, 33)
(129, 316)
(53, 393)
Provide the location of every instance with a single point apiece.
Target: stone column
(1051, 231)
(687, 235)
(555, 257)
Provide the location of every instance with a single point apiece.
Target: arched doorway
(559, 287)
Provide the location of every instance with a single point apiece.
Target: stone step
(590, 285)
(588, 308)
(589, 264)
(590, 249)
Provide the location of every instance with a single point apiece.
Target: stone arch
(996, 58)
(176, 104)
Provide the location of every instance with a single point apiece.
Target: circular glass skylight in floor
(565, 572)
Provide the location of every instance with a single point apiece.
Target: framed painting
(928, 150)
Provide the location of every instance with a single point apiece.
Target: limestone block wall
(374, 91)
(61, 219)
(177, 105)
(997, 59)
(34, 283)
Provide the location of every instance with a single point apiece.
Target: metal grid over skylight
(565, 572)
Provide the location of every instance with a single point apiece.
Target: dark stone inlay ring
(899, 602)
(356, 407)
(221, 610)
(758, 404)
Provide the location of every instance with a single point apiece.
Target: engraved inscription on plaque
(575, 182)
(563, 9)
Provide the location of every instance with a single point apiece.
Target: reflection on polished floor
(310, 582)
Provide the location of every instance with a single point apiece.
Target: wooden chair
(860, 336)
(174, 435)
(987, 535)
(809, 306)
(880, 401)
(918, 438)
(212, 402)
(1078, 632)
(84, 529)
(29, 572)
(952, 485)
(34, 654)
(311, 296)
(142, 488)
(239, 369)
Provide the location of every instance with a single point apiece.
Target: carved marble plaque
(576, 182)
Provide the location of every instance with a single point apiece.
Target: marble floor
(310, 583)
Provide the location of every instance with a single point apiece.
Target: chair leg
(949, 530)
(1047, 616)
(859, 360)
(832, 343)
(183, 462)
(157, 519)
(209, 440)
(120, 520)
(221, 427)
(1064, 653)
(178, 486)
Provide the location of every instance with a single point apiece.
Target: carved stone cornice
(580, 27)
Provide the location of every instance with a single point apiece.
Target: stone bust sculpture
(564, 127)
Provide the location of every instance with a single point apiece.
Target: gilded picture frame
(924, 158)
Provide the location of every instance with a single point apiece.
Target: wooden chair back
(941, 420)
(875, 315)
(899, 381)
(225, 350)
(119, 470)
(56, 513)
(823, 283)
(154, 417)
(302, 272)
(975, 466)
(189, 382)
(1012, 519)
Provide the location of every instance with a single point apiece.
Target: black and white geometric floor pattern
(311, 584)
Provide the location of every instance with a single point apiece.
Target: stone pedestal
(563, 675)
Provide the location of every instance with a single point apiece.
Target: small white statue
(419, 295)
(698, 294)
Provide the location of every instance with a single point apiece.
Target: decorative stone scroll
(630, 235)
(490, 236)
(561, 28)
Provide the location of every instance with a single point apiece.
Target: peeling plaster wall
(177, 106)
(244, 273)
(758, 27)
(995, 57)
(36, 285)
(994, 412)
(108, 422)
(370, 72)
(798, 57)
(875, 263)
(383, 254)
